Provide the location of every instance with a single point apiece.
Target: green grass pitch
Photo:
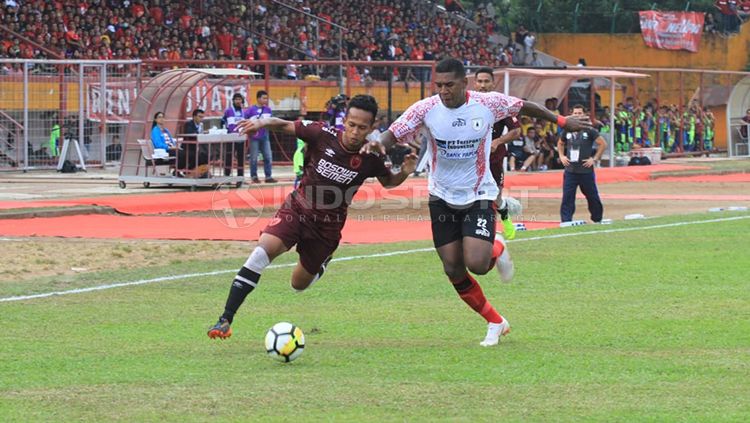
(642, 325)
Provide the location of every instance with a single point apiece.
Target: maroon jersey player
(313, 215)
(484, 81)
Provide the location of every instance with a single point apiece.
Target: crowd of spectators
(240, 30)
(217, 30)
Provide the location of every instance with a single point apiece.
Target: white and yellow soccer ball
(515, 208)
(285, 342)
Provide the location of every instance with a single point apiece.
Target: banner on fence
(119, 99)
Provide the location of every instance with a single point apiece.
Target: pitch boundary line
(349, 258)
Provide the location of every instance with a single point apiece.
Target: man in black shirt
(186, 156)
(579, 155)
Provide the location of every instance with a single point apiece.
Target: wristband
(561, 121)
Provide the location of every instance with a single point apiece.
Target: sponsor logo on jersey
(331, 131)
(335, 172)
(458, 123)
(458, 149)
(330, 152)
(477, 124)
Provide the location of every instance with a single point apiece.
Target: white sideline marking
(609, 231)
(191, 275)
(393, 253)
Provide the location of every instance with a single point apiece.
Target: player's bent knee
(479, 268)
(478, 265)
(300, 283)
(299, 286)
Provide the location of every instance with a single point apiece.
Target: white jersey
(460, 143)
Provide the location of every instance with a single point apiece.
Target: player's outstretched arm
(407, 168)
(251, 126)
(569, 123)
(506, 138)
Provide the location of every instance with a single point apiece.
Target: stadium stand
(231, 30)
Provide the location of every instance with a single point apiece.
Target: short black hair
(485, 69)
(364, 102)
(452, 65)
(196, 112)
(579, 106)
(238, 95)
(260, 94)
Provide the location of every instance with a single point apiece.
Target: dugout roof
(166, 93)
(540, 84)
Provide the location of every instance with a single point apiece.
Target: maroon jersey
(497, 131)
(332, 173)
(496, 157)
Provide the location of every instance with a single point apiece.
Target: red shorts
(316, 240)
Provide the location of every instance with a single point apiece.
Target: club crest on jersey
(355, 162)
(477, 124)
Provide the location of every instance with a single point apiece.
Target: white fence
(46, 104)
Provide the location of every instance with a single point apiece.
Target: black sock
(503, 213)
(243, 284)
(323, 266)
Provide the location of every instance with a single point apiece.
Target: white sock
(258, 260)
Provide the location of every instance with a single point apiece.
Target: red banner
(672, 30)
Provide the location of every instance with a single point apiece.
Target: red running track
(356, 231)
(222, 228)
(254, 197)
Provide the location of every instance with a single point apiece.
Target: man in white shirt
(462, 189)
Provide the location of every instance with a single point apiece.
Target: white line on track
(364, 256)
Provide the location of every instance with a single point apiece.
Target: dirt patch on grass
(44, 257)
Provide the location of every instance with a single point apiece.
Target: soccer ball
(285, 342)
(515, 208)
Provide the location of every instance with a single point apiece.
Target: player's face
(357, 125)
(451, 88)
(237, 102)
(263, 100)
(578, 113)
(484, 82)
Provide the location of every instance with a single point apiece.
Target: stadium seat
(147, 150)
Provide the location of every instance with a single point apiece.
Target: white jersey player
(462, 190)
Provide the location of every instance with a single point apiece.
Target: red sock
(497, 250)
(470, 291)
